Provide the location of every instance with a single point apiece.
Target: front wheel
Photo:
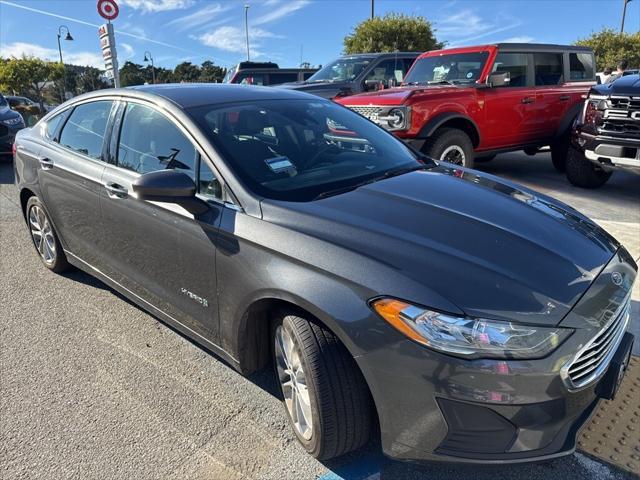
(450, 145)
(583, 173)
(324, 393)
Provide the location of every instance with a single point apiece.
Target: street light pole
(372, 10)
(246, 27)
(149, 58)
(624, 14)
(68, 37)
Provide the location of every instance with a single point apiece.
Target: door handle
(46, 163)
(564, 98)
(528, 100)
(116, 191)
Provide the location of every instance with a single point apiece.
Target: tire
(46, 242)
(583, 173)
(446, 141)
(484, 158)
(560, 150)
(339, 402)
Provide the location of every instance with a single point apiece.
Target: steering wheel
(312, 161)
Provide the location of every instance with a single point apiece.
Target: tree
(610, 47)
(29, 75)
(132, 74)
(211, 73)
(393, 32)
(186, 72)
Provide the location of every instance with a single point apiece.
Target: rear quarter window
(581, 66)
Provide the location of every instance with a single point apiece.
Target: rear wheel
(324, 393)
(44, 237)
(450, 145)
(584, 173)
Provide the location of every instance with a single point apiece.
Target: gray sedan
(472, 319)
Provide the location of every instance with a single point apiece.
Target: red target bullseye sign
(108, 9)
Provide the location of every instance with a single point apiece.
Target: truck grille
(594, 358)
(618, 117)
(368, 111)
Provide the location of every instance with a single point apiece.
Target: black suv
(357, 73)
(606, 135)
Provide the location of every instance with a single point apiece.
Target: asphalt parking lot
(93, 387)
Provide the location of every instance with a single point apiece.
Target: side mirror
(373, 85)
(499, 79)
(170, 186)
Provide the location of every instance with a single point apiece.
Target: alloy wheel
(453, 154)
(293, 382)
(42, 234)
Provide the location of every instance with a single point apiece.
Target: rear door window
(84, 131)
(548, 68)
(276, 78)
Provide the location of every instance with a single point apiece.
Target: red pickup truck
(466, 104)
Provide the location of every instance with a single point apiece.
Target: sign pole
(108, 9)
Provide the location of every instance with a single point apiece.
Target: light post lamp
(149, 58)
(624, 14)
(69, 38)
(246, 27)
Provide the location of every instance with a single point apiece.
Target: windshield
(342, 70)
(3, 101)
(454, 68)
(229, 75)
(299, 150)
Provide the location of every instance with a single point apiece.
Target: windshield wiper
(441, 82)
(401, 171)
(338, 191)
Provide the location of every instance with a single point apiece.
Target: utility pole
(372, 10)
(64, 71)
(624, 14)
(246, 27)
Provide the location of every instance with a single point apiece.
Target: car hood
(490, 247)
(400, 95)
(627, 85)
(323, 89)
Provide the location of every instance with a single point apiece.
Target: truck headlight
(398, 118)
(594, 110)
(469, 337)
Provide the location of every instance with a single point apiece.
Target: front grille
(369, 111)
(618, 120)
(593, 359)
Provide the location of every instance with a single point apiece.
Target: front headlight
(469, 337)
(13, 121)
(594, 108)
(398, 118)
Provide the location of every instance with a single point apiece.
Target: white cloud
(18, 49)
(199, 17)
(232, 39)
(280, 12)
(157, 5)
(466, 25)
(127, 51)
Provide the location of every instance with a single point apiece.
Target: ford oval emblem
(616, 278)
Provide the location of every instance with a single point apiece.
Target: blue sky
(198, 30)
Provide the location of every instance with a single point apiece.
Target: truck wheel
(324, 393)
(450, 145)
(560, 150)
(583, 173)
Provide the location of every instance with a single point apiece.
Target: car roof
(535, 47)
(188, 95)
(386, 54)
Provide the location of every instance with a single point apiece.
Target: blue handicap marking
(366, 467)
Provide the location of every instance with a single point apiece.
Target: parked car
(265, 73)
(30, 110)
(469, 103)
(357, 73)
(10, 123)
(606, 134)
(471, 318)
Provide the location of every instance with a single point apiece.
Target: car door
(159, 251)
(552, 100)
(508, 109)
(70, 177)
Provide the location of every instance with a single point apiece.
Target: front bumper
(608, 152)
(433, 406)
